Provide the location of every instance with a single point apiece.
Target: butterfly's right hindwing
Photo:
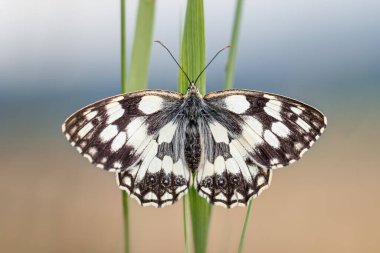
(160, 176)
(133, 135)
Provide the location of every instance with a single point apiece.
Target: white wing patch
(219, 132)
(237, 103)
(255, 124)
(137, 135)
(252, 138)
(280, 129)
(166, 133)
(119, 141)
(303, 124)
(271, 139)
(108, 133)
(87, 128)
(273, 111)
(151, 104)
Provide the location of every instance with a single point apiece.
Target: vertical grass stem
(138, 74)
(193, 57)
(142, 45)
(230, 69)
(242, 237)
(123, 70)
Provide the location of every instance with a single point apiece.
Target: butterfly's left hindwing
(133, 135)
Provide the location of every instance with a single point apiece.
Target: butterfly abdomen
(192, 108)
(192, 145)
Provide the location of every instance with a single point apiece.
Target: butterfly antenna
(213, 58)
(167, 49)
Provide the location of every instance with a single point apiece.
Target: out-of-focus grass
(138, 76)
(193, 56)
(230, 69)
(228, 84)
(142, 44)
(123, 71)
(123, 46)
(244, 230)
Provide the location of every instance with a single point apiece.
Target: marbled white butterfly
(230, 140)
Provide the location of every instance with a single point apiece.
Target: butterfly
(230, 140)
(155, 140)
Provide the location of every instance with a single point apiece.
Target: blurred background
(57, 56)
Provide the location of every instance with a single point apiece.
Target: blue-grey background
(57, 56)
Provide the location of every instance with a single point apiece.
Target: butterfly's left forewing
(135, 135)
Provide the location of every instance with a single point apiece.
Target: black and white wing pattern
(136, 135)
(231, 140)
(244, 135)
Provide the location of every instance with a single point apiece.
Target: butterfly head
(192, 89)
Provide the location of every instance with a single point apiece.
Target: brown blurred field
(54, 201)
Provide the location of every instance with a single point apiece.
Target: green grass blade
(228, 84)
(200, 220)
(242, 237)
(187, 245)
(123, 70)
(138, 71)
(193, 57)
(123, 46)
(142, 44)
(230, 70)
(185, 198)
(127, 244)
(193, 49)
